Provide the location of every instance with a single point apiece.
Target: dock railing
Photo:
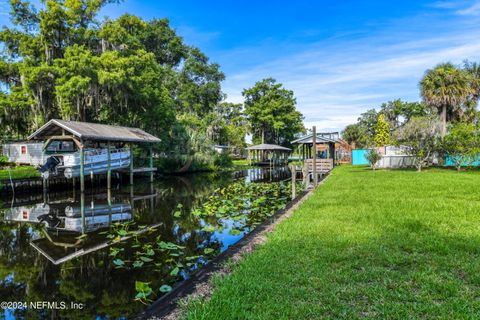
(321, 168)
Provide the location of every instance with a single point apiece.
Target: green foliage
(357, 135)
(446, 88)
(271, 111)
(19, 172)
(398, 112)
(421, 137)
(223, 160)
(373, 157)
(462, 144)
(59, 62)
(3, 159)
(361, 133)
(382, 132)
(395, 113)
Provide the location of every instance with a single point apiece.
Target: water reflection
(91, 248)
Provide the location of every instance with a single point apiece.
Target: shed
(24, 152)
(268, 154)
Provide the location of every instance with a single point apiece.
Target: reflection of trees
(92, 279)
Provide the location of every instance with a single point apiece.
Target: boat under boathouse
(268, 154)
(73, 149)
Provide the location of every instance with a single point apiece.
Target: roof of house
(92, 131)
(265, 146)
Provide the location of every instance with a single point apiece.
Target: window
(24, 149)
(61, 146)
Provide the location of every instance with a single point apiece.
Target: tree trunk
(443, 117)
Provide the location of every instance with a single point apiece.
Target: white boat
(63, 159)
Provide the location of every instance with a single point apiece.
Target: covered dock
(85, 134)
(268, 154)
(324, 145)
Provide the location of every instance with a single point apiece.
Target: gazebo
(268, 154)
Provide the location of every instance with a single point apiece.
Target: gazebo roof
(92, 131)
(309, 139)
(268, 147)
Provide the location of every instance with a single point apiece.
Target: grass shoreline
(384, 244)
(19, 172)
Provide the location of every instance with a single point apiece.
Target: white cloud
(335, 82)
(471, 10)
(4, 8)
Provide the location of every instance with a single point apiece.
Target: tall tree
(446, 88)
(271, 112)
(420, 136)
(60, 62)
(382, 131)
(473, 69)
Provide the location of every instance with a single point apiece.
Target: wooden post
(314, 141)
(132, 201)
(82, 210)
(82, 166)
(109, 201)
(151, 162)
(109, 168)
(131, 164)
(294, 177)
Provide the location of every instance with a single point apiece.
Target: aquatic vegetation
(237, 207)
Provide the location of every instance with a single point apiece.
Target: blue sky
(339, 57)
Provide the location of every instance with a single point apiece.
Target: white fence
(400, 161)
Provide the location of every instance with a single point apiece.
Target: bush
(223, 160)
(373, 157)
(461, 144)
(3, 159)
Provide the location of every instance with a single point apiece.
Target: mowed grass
(385, 244)
(19, 172)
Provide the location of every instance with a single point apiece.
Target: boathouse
(95, 135)
(324, 145)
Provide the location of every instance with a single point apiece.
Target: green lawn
(385, 244)
(242, 162)
(20, 172)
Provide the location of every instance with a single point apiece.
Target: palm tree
(473, 68)
(446, 88)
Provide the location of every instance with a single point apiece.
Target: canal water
(107, 255)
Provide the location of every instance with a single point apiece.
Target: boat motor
(49, 220)
(49, 166)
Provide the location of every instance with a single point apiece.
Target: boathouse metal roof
(308, 139)
(92, 131)
(270, 147)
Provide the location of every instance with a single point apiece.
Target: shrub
(223, 160)
(3, 159)
(373, 157)
(461, 144)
